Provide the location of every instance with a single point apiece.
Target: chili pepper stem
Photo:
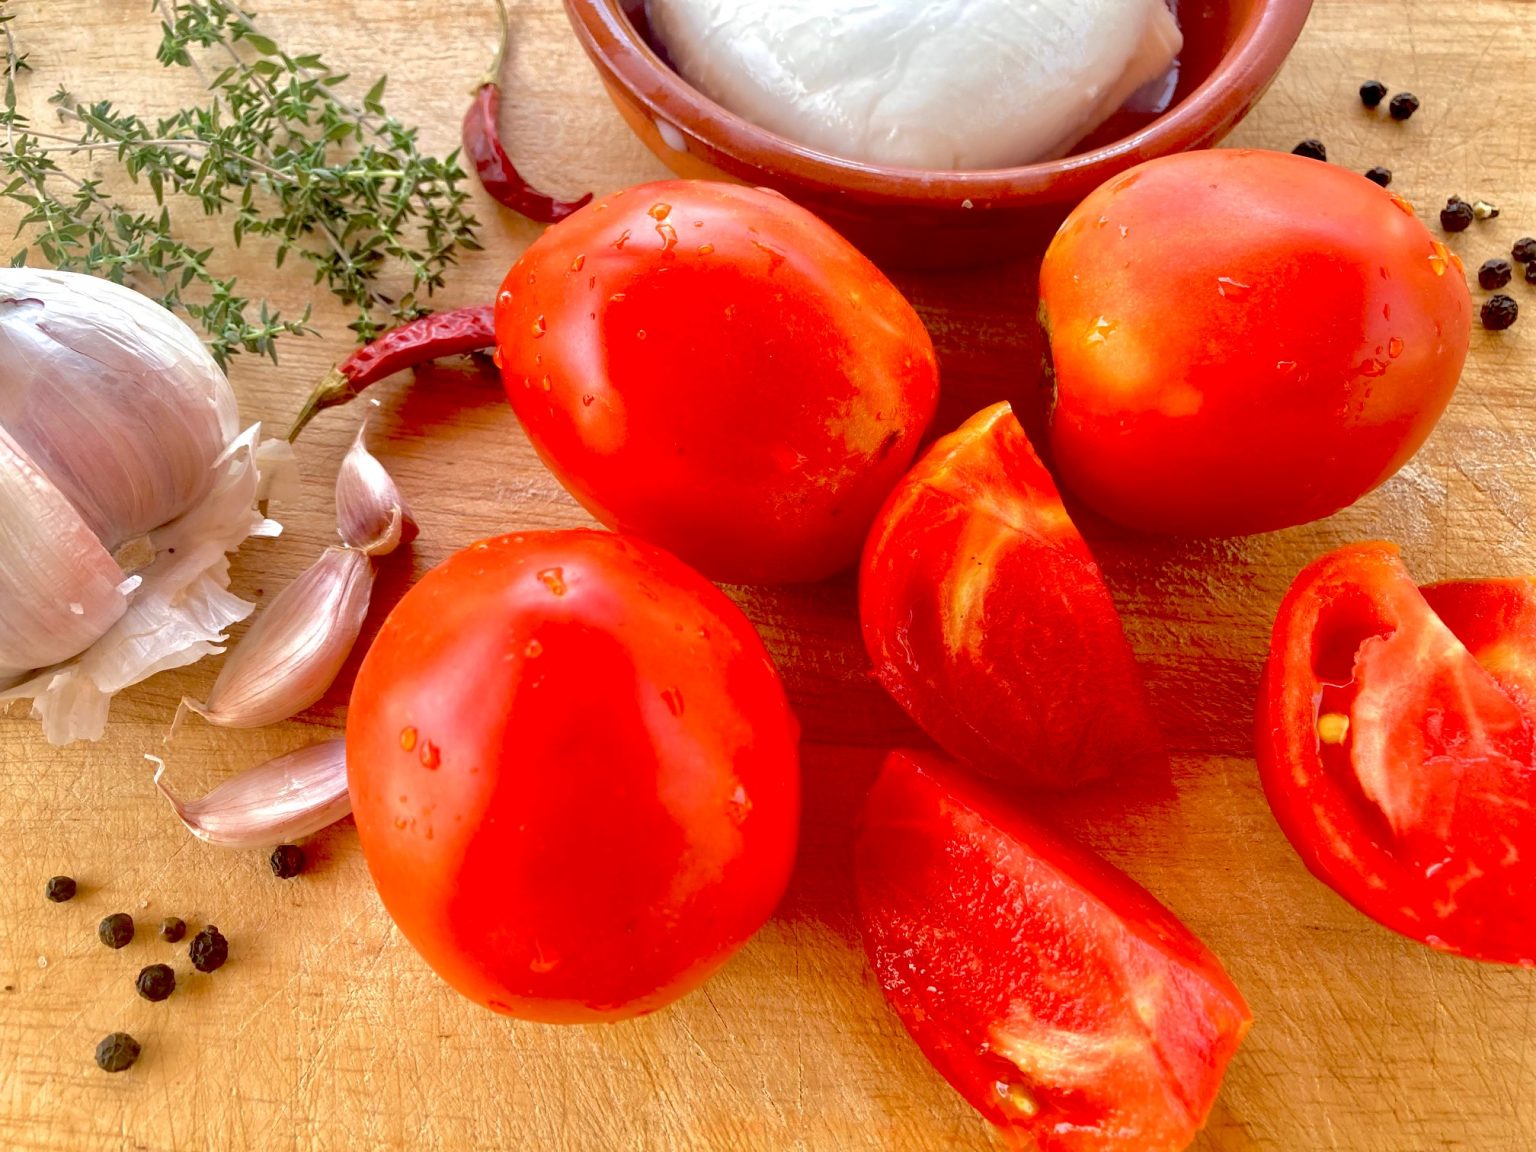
(493, 75)
(334, 389)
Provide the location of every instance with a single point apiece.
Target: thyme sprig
(276, 148)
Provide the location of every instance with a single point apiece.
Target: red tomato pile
(574, 768)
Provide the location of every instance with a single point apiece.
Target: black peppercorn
(1312, 148)
(1530, 273)
(156, 982)
(1499, 312)
(1456, 215)
(117, 1052)
(1494, 273)
(1525, 249)
(116, 930)
(172, 929)
(209, 949)
(287, 861)
(61, 888)
(1379, 175)
(1403, 105)
(1372, 93)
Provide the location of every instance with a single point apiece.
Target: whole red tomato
(1066, 1004)
(712, 368)
(574, 773)
(1245, 340)
(986, 617)
(1397, 746)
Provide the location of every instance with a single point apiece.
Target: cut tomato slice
(986, 618)
(1395, 743)
(1056, 995)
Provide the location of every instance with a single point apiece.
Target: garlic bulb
(123, 485)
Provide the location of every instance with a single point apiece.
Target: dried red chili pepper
(408, 346)
(482, 144)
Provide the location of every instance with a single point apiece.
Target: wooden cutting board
(325, 1030)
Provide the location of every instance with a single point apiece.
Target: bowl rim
(1218, 102)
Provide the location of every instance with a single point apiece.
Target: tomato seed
(1332, 727)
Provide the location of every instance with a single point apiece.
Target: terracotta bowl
(930, 218)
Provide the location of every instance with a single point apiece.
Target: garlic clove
(285, 798)
(371, 513)
(296, 647)
(115, 399)
(59, 588)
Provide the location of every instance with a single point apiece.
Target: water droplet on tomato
(587, 401)
(544, 959)
(1371, 367)
(640, 334)
(430, 756)
(739, 806)
(1386, 311)
(1439, 257)
(1101, 221)
(539, 327)
(576, 264)
(1403, 205)
(616, 298)
(533, 650)
(1395, 347)
(706, 249)
(546, 383)
(673, 698)
(400, 822)
(622, 240)
(1101, 329)
(659, 211)
(668, 236)
(496, 358)
(554, 580)
(504, 297)
(1232, 289)
(407, 738)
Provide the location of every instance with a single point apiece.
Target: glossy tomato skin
(1395, 746)
(1057, 996)
(712, 368)
(986, 618)
(1244, 341)
(574, 774)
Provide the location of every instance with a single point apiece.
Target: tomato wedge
(986, 617)
(1395, 742)
(1056, 995)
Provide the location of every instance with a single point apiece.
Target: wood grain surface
(325, 1031)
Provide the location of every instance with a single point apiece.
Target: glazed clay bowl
(928, 218)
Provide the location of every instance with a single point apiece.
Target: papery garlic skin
(297, 646)
(285, 798)
(120, 429)
(59, 588)
(115, 400)
(371, 513)
(176, 615)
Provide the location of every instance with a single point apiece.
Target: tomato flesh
(574, 773)
(712, 368)
(986, 618)
(1245, 340)
(1395, 742)
(1057, 996)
